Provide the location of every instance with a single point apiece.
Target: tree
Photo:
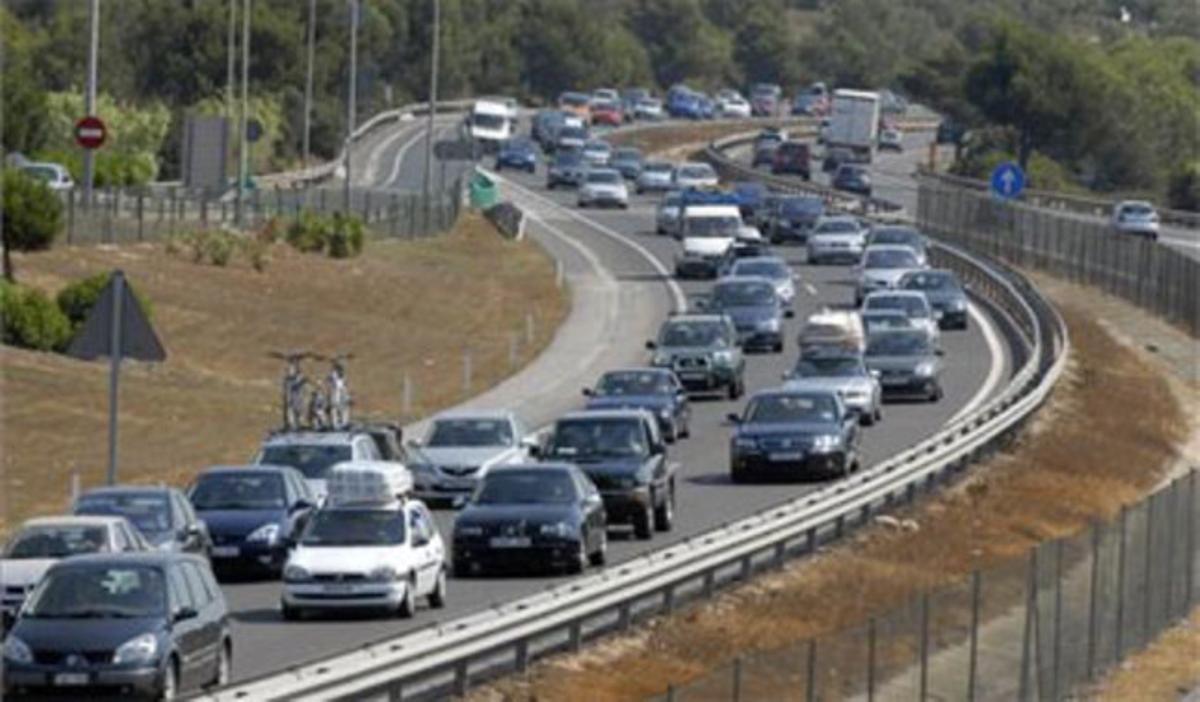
(30, 218)
(23, 102)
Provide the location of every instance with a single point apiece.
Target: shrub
(78, 298)
(1183, 188)
(308, 233)
(32, 214)
(338, 235)
(217, 246)
(31, 320)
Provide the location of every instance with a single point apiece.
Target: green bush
(338, 235)
(32, 212)
(78, 298)
(308, 233)
(218, 246)
(345, 236)
(1183, 189)
(31, 320)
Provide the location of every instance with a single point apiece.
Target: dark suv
(625, 456)
(703, 351)
(792, 157)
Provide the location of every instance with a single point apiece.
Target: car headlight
(664, 412)
(770, 325)
(17, 651)
(745, 443)
(561, 530)
(267, 532)
(924, 369)
(662, 359)
(826, 442)
(723, 358)
(469, 530)
(384, 574)
(958, 305)
(296, 574)
(140, 649)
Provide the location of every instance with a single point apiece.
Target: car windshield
(1137, 210)
(831, 367)
(575, 100)
(597, 439)
(572, 133)
(604, 177)
(930, 281)
(693, 334)
(743, 294)
(248, 490)
(527, 487)
(696, 172)
(43, 173)
(604, 106)
(99, 592)
(487, 121)
(657, 167)
(884, 319)
(714, 227)
(890, 258)
(775, 270)
(898, 344)
(776, 409)
(568, 158)
(599, 147)
(148, 512)
(518, 145)
(896, 236)
(471, 433)
(633, 383)
(910, 305)
(837, 226)
(313, 460)
(57, 541)
(805, 206)
(355, 527)
(627, 155)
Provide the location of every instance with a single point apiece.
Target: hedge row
(32, 321)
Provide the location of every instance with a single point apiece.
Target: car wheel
(169, 689)
(936, 394)
(664, 514)
(867, 419)
(685, 430)
(643, 524)
(600, 556)
(579, 563)
(778, 348)
(549, 186)
(292, 614)
(879, 411)
(221, 674)
(437, 598)
(408, 606)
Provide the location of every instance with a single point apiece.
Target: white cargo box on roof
(367, 483)
(833, 328)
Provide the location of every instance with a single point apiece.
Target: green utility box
(483, 192)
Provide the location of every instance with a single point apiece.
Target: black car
(566, 169)
(162, 514)
(945, 293)
(703, 351)
(793, 217)
(787, 433)
(625, 456)
(522, 516)
(655, 390)
(764, 153)
(253, 514)
(835, 159)
(756, 309)
(145, 624)
(852, 179)
(792, 158)
(519, 153)
(628, 161)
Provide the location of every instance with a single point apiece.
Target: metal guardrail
(447, 657)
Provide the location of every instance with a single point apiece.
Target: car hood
(611, 466)
(650, 402)
(887, 276)
(463, 455)
(240, 522)
(474, 514)
(800, 429)
(943, 298)
(751, 314)
(343, 559)
(655, 177)
(24, 571)
(81, 634)
(606, 188)
(836, 384)
(706, 245)
(830, 237)
(900, 363)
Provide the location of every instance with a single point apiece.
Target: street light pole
(352, 102)
(308, 79)
(243, 161)
(89, 100)
(432, 105)
(231, 59)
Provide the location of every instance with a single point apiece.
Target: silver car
(597, 152)
(774, 269)
(459, 449)
(670, 214)
(882, 267)
(695, 175)
(839, 239)
(913, 303)
(1137, 218)
(900, 236)
(655, 177)
(648, 108)
(845, 374)
(603, 187)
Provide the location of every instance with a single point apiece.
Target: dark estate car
(792, 157)
(852, 179)
(625, 456)
(703, 351)
(756, 309)
(655, 390)
(546, 514)
(907, 362)
(945, 293)
(253, 513)
(145, 624)
(163, 515)
(566, 169)
(794, 433)
(793, 217)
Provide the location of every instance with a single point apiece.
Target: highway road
(612, 254)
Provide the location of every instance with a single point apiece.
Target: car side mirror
(184, 613)
(192, 530)
(413, 443)
(535, 451)
(651, 345)
(940, 352)
(876, 374)
(733, 418)
(529, 442)
(419, 541)
(789, 313)
(301, 505)
(588, 392)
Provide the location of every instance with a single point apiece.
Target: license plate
(510, 542)
(225, 551)
(895, 381)
(339, 588)
(71, 679)
(696, 374)
(786, 457)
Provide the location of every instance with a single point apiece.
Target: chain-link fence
(1035, 628)
(128, 215)
(1068, 245)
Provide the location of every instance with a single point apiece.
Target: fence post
(76, 485)
(1027, 641)
(1121, 585)
(70, 216)
(529, 328)
(811, 677)
(871, 659)
(1058, 575)
(467, 371)
(514, 341)
(924, 686)
(737, 679)
(973, 655)
(670, 693)
(1168, 580)
(1148, 593)
(395, 213)
(1189, 576)
(406, 403)
(1093, 591)
(141, 216)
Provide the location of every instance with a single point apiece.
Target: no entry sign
(90, 132)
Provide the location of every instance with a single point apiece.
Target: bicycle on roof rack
(292, 386)
(329, 402)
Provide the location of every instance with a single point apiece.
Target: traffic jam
(343, 511)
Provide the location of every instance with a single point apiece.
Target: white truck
(854, 123)
(490, 124)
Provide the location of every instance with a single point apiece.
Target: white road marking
(811, 289)
(377, 153)
(994, 373)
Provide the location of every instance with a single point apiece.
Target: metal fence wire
(1033, 628)
(129, 215)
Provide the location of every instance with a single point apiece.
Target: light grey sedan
(460, 448)
(669, 214)
(603, 187)
(656, 176)
(845, 374)
(838, 239)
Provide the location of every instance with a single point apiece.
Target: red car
(607, 113)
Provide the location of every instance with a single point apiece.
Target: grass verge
(1167, 670)
(1108, 435)
(655, 141)
(402, 307)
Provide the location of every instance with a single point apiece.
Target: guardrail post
(462, 678)
(623, 617)
(710, 581)
(812, 540)
(747, 568)
(395, 213)
(780, 553)
(839, 526)
(521, 656)
(575, 636)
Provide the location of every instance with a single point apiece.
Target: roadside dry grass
(1108, 434)
(402, 306)
(1167, 670)
(655, 141)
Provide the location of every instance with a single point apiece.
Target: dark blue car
(794, 217)
(519, 154)
(655, 390)
(751, 195)
(794, 433)
(253, 514)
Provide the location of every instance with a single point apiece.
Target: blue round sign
(1008, 181)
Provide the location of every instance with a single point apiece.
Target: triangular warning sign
(137, 338)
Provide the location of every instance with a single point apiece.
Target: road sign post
(1008, 181)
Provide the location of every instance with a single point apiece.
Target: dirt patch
(1108, 434)
(656, 141)
(1167, 670)
(401, 307)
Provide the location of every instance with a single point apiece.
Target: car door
(187, 636)
(208, 625)
(683, 408)
(592, 508)
(426, 550)
(300, 503)
(658, 457)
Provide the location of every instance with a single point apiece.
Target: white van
(490, 123)
(709, 224)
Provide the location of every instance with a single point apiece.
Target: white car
(695, 175)
(892, 139)
(648, 109)
(733, 105)
(314, 453)
(840, 238)
(881, 268)
(605, 95)
(1136, 217)
(597, 152)
(772, 268)
(371, 547)
(655, 177)
(913, 304)
(40, 543)
(460, 448)
(603, 187)
(53, 175)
